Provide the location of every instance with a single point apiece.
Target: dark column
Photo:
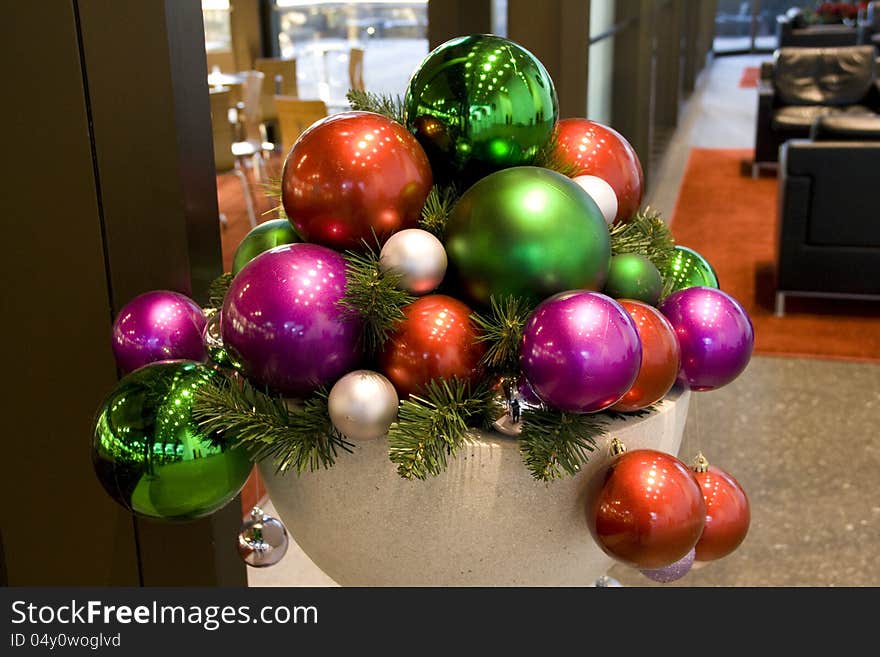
(451, 18)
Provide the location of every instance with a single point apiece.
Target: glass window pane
(601, 62)
(218, 35)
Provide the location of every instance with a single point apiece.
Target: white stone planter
(484, 521)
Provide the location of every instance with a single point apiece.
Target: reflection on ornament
(262, 540)
(518, 396)
(606, 582)
(418, 257)
(212, 336)
(362, 405)
(687, 268)
(601, 192)
(259, 239)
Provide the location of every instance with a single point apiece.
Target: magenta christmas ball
(580, 351)
(158, 325)
(715, 334)
(283, 323)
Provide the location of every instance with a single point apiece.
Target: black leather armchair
(792, 31)
(869, 29)
(805, 84)
(829, 223)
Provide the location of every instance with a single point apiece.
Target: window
(218, 34)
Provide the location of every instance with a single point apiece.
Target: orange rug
(731, 219)
(750, 77)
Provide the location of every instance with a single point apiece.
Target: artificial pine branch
(550, 157)
(373, 296)
(388, 106)
(217, 290)
(432, 427)
(293, 439)
(645, 234)
(272, 190)
(437, 209)
(554, 443)
(502, 329)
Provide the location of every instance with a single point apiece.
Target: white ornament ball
(362, 405)
(418, 256)
(601, 192)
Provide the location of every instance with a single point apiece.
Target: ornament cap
(701, 463)
(617, 447)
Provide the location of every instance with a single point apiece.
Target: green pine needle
(501, 329)
(554, 443)
(437, 209)
(388, 106)
(432, 427)
(217, 290)
(299, 440)
(549, 157)
(272, 190)
(647, 235)
(373, 296)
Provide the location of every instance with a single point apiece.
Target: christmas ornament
(673, 571)
(633, 276)
(727, 511)
(602, 193)
(418, 256)
(266, 236)
(648, 511)
(282, 320)
(687, 268)
(518, 396)
(436, 339)
(159, 325)
(580, 351)
(354, 175)
(212, 337)
(262, 540)
(661, 357)
(478, 104)
(597, 150)
(715, 335)
(149, 454)
(606, 582)
(362, 405)
(527, 232)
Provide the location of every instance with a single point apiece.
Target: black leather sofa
(804, 84)
(792, 31)
(829, 223)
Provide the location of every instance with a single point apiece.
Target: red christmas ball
(727, 514)
(351, 175)
(661, 357)
(649, 511)
(436, 339)
(597, 150)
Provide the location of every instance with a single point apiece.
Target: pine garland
(272, 190)
(554, 443)
(645, 234)
(388, 106)
(373, 296)
(437, 209)
(432, 427)
(502, 330)
(217, 290)
(300, 439)
(549, 157)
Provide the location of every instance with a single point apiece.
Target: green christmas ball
(478, 104)
(261, 238)
(528, 232)
(151, 457)
(633, 276)
(687, 268)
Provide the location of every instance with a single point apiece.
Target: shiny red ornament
(727, 514)
(351, 175)
(597, 150)
(661, 357)
(648, 511)
(436, 339)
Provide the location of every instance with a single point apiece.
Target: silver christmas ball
(518, 396)
(418, 256)
(262, 540)
(605, 582)
(362, 405)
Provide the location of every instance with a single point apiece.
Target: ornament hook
(701, 463)
(617, 447)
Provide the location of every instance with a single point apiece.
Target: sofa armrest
(765, 142)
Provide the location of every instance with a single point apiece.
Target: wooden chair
(356, 69)
(295, 116)
(280, 80)
(223, 60)
(225, 160)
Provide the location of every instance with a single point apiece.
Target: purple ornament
(282, 321)
(673, 571)
(715, 334)
(580, 351)
(159, 325)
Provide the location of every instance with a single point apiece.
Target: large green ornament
(151, 457)
(528, 232)
(478, 104)
(633, 276)
(687, 268)
(261, 238)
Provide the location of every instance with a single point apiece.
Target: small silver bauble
(262, 540)
(517, 398)
(606, 582)
(362, 405)
(418, 257)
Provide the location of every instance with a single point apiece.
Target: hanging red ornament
(648, 511)
(727, 511)
(597, 150)
(352, 175)
(435, 340)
